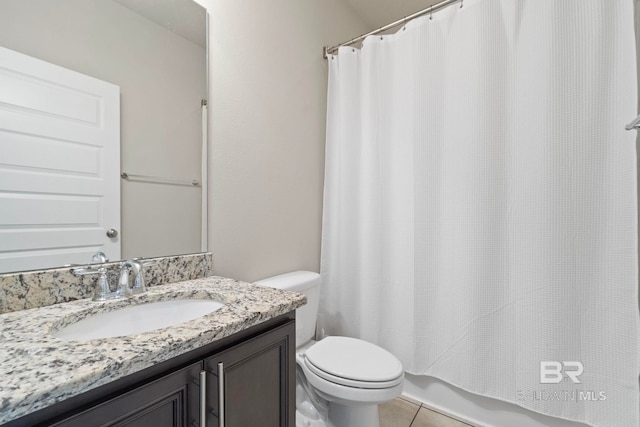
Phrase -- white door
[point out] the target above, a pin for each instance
(59, 164)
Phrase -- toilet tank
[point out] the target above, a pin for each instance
(308, 284)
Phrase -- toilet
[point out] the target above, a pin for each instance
(339, 380)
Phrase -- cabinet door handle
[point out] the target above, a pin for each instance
(221, 393)
(203, 398)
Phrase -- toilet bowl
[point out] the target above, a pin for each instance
(340, 380)
(353, 376)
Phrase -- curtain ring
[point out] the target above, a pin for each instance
(431, 13)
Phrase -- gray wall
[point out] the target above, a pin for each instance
(267, 112)
(161, 78)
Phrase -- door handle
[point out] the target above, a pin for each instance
(112, 232)
(203, 398)
(221, 394)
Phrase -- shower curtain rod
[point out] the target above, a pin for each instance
(433, 8)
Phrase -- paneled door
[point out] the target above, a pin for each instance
(253, 383)
(59, 164)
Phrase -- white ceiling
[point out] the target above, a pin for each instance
(187, 18)
(376, 13)
(183, 17)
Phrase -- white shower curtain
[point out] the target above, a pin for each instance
(480, 202)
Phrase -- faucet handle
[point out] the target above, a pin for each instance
(137, 266)
(124, 290)
(102, 291)
(139, 286)
(87, 271)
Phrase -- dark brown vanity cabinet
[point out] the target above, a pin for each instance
(248, 384)
(249, 380)
(171, 401)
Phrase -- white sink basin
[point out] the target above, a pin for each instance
(136, 319)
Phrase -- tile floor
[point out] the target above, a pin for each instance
(406, 412)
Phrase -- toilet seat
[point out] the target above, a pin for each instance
(348, 395)
(349, 382)
(353, 363)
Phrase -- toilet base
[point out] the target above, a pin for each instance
(353, 416)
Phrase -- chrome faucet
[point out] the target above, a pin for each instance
(128, 268)
(138, 286)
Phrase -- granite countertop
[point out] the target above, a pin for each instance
(38, 370)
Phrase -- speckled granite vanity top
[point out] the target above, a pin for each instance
(38, 370)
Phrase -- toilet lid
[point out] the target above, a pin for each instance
(354, 359)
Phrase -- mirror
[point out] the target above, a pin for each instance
(156, 52)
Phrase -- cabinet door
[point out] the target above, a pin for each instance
(171, 401)
(258, 382)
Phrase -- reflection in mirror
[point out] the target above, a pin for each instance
(52, 136)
